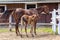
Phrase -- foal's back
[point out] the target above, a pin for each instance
(29, 19)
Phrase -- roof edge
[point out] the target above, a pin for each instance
(31, 2)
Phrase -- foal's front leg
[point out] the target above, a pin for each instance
(35, 28)
(31, 31)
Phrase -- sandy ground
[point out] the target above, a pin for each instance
(39, 36)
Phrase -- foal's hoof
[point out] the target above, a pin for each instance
(27, 35)
(32, 35)
(21, 36)
(35, 33)
(10, 30)
(17, 35)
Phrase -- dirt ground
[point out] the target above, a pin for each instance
(39, 36)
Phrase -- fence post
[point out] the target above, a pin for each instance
(59, 21)
(10, 21)
(54, 20)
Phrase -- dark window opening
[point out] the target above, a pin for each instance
(31, 6)
(2, 8)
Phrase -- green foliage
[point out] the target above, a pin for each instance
(4, 30)
(44, 29)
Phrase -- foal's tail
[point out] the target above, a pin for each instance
(22, 22)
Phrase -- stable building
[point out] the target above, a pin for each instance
(26, 4)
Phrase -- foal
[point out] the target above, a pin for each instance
(29, 20)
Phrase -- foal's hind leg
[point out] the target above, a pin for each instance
(21, 30)
(26, 29)
(16, 28)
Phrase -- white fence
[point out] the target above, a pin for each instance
(54, 17)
